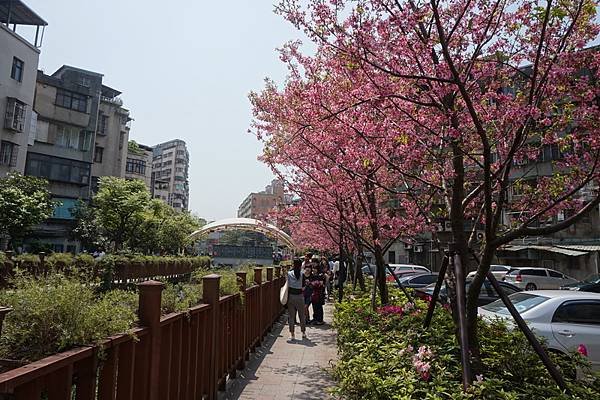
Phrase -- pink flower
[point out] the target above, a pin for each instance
(581, 349)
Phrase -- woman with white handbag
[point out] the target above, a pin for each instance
(295, 299)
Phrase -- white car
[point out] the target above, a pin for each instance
(533, 278)
(566, 319)
(499, 271)
(409, 267)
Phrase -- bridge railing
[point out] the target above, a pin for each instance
(186, 355)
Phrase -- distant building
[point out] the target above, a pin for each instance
(112, 137)
(258, 205)
(81, 134)
(18, 71)
(170, 169)
(139, 163)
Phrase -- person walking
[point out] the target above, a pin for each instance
(307, 292)
(296, 299)
(317, 283)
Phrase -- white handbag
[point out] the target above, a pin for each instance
(283, 294)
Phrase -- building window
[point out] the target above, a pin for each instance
(95, 184)
(180, 161)
(73, 138)
(57, 169)
(74, 101)
(85, 81)
(17, 69)
(392, 257)
(102, 123)
(98, 153)
(14, 118)
(181, 152)
(65, 208)
(134, 166)
(8, 154)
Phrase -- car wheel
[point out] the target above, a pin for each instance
(530, 286)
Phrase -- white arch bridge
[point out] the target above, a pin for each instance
(245, 224)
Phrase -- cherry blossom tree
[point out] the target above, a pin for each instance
(476, 111)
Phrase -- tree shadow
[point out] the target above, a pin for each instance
(311, 380)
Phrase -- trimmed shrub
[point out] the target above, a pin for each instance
(388, 355)
(55, 313)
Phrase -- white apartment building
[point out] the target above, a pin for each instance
(18, 72)
(170, 169)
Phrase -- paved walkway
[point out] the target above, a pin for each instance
(282, 369)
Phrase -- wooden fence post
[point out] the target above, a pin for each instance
(260, 309)
(211, 296)
(241, 278)
(149, 314)
(270, 299)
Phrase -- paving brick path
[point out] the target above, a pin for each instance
(282, 369)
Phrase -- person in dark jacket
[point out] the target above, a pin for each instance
(317, 283)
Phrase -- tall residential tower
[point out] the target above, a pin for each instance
(170, 168)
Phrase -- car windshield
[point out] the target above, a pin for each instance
(592, 279)
(522, 302)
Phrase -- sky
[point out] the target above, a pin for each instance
(185, 69)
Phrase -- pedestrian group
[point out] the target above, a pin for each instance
(310, 284)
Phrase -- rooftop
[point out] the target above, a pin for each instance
(17, 12)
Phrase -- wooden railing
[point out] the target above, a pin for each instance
(188, 355)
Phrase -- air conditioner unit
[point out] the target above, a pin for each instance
(14, 119)
(418, 249)
(407, 246)
(448, 226)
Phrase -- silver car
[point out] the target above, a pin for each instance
(418, 269)
(568, 320)
(532, 278)
(499, 271)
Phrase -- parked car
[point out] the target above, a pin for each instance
(499, 271)
(566, 319)
(533, 278)
(487, 294)
(589, 284)
(418, 280)
(408, 267)
(368, 269)
(402, 270)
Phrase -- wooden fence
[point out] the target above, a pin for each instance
(187, 355)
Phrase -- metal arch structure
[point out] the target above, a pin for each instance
(245, 224)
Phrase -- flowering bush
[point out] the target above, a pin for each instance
(386, 354)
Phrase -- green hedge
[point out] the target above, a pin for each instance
(388, 355)
(57, 312)
(109, 267)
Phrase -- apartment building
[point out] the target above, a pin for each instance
(170, 174)
(139, 163)
(18, 72)
(112, 137)
(81, 134)
(258, 205)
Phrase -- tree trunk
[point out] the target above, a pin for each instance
(472, 305)
(460, 241)
(380, 262)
